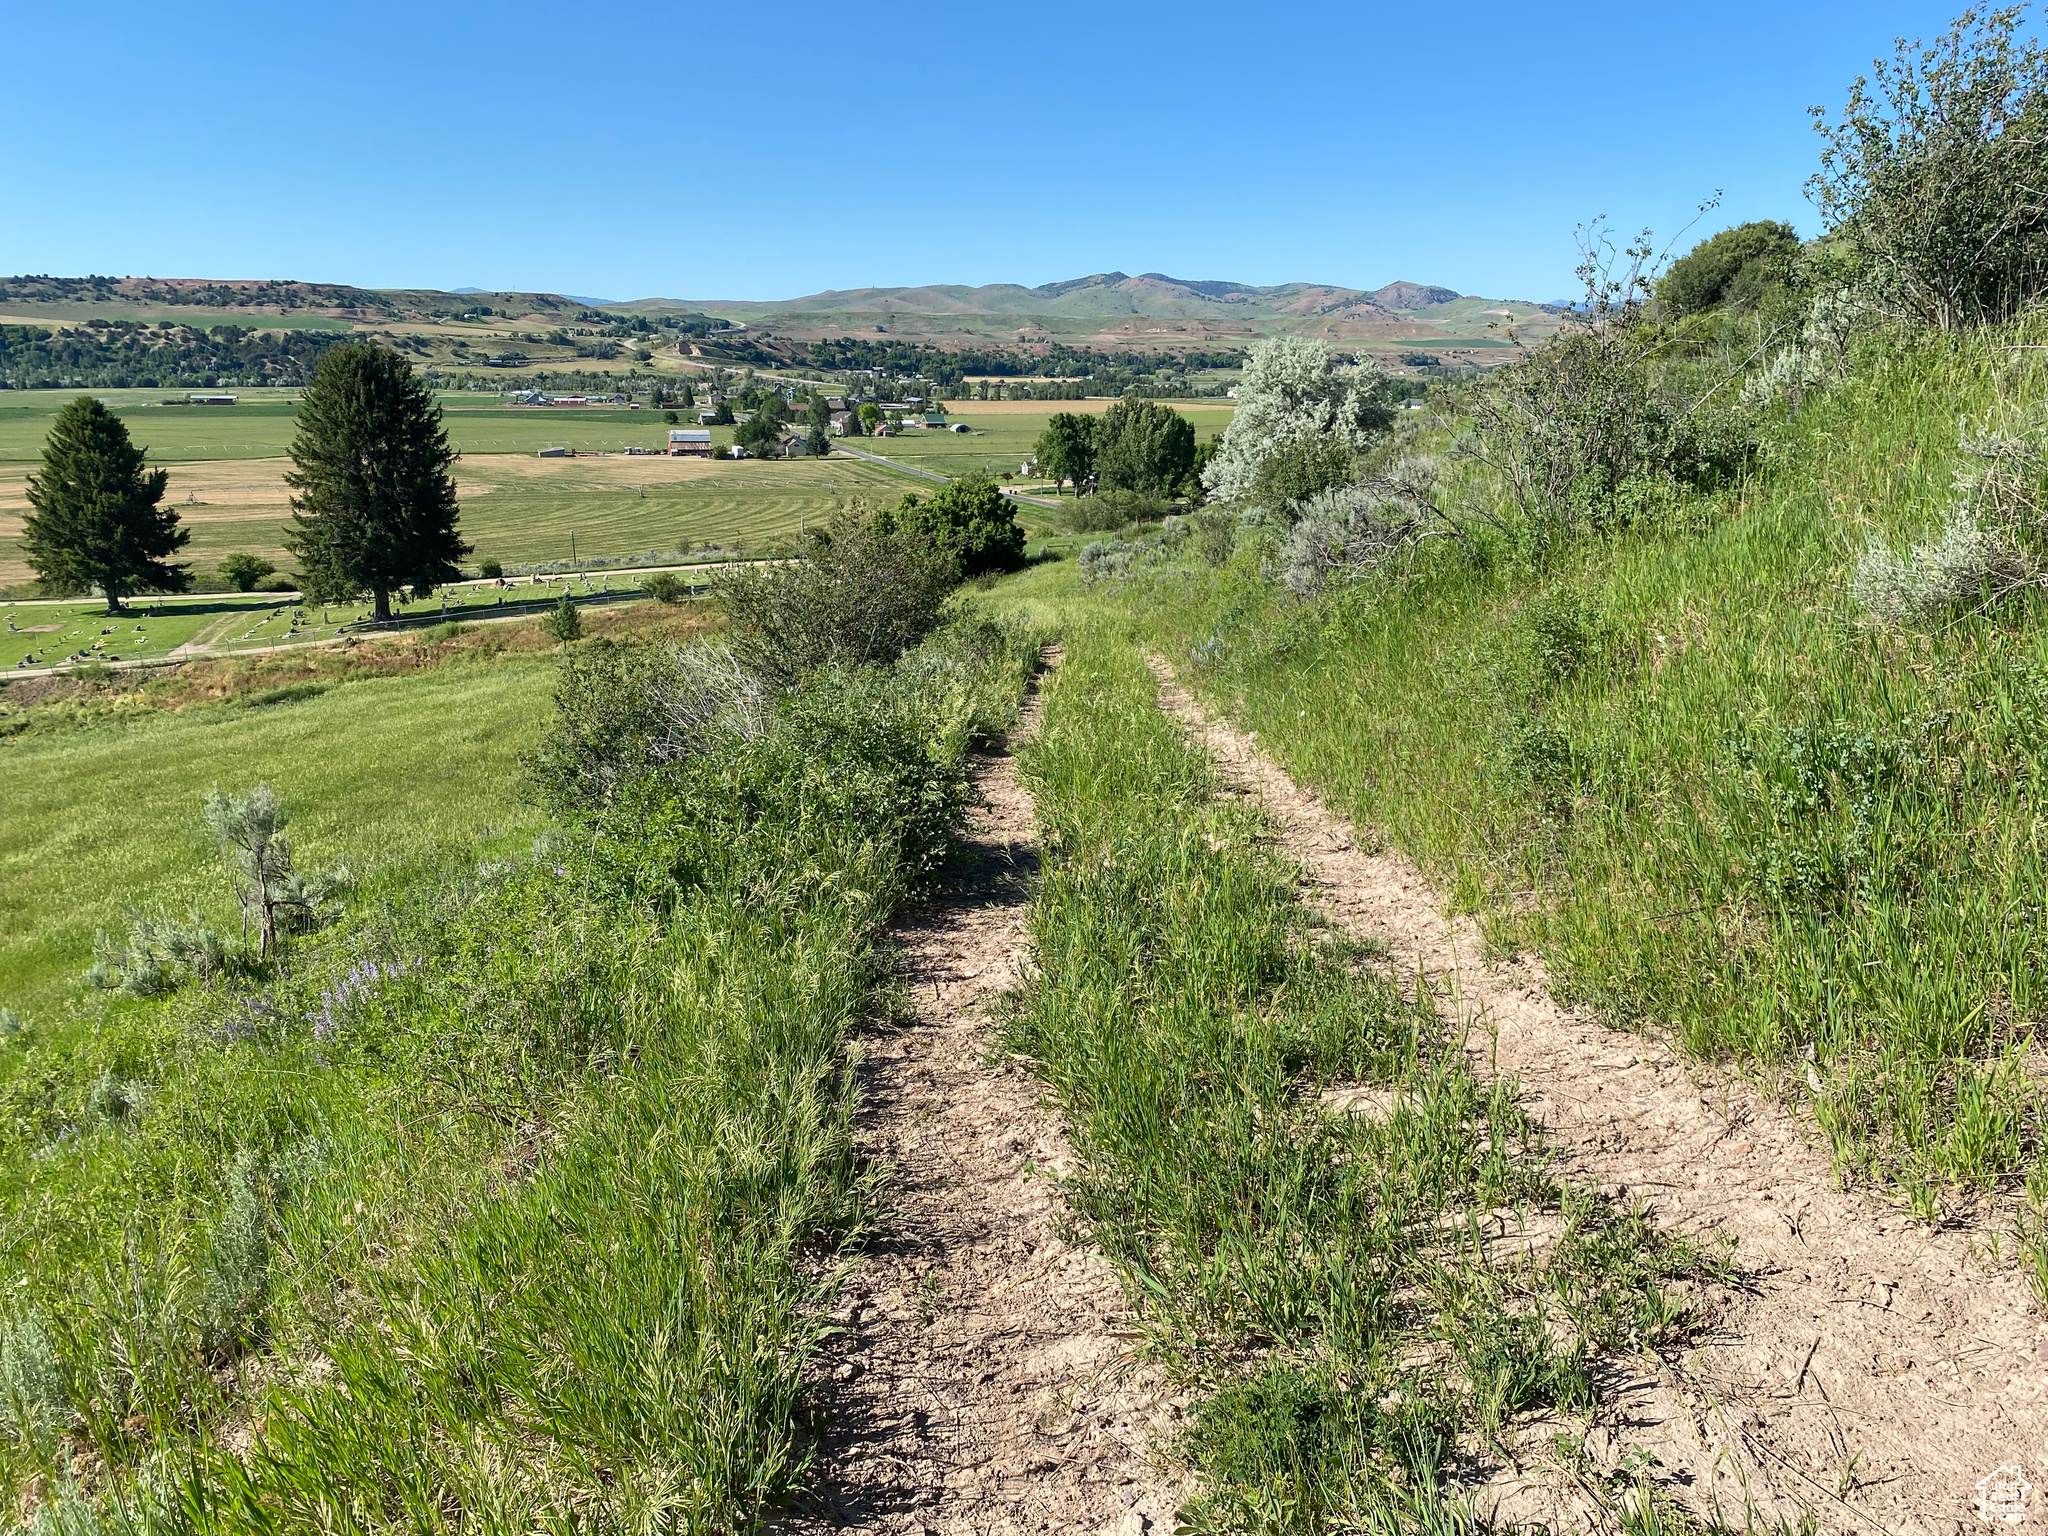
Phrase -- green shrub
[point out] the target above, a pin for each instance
(490, 570)
(565, 622)
(858, 594)
(243, 572)
(970, 517)
(1737, 266)
(625, 712)
(665, 587)
(1107, 511)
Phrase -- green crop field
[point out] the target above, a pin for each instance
(260, 425)
(227, 469)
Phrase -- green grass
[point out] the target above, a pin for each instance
(1678, 764)
(50, 632)
(744, 505)
(104, 821)
(260, 426)
(1334, 1289)
(512, 1199)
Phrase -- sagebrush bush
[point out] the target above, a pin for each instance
(34, 1405)
(1350, 531)
(236, 1276)
(860, 593)
(1992, 544)
(623, 711)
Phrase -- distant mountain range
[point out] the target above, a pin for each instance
(1111, 308)
(1153, 295)
(1104, 309)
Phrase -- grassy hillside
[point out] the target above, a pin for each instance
(104, 820)
(1677, 762)
(594, 1081)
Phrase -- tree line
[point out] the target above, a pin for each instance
(130, 354)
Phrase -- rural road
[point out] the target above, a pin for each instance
(929, 474)
(190, 650)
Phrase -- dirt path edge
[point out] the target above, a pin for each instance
(1871, 1374)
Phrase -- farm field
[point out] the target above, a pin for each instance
(518, 508)
(227, 469)
(261, 425)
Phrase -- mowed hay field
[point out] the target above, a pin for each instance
(227, 466)
(521, 509)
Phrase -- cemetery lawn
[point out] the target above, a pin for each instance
(385, 775)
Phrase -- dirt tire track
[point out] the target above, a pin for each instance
(1870, 1371)
(984, 1383)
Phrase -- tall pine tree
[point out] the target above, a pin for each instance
(94, 519)
(374, 504)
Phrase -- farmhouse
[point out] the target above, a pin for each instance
(842, 423)
(691, 442)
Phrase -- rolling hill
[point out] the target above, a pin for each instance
(1114, 306)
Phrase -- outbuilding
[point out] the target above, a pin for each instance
(690, 442)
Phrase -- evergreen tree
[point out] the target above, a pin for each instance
(374, 509)
(818, 436)
(94, 519)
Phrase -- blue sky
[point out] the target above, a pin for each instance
(771, 151)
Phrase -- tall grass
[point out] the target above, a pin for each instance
(1348, 1294)
(1681, 763)
(508, 1204)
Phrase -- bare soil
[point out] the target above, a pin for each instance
(1868, 1371)
(984, 1381)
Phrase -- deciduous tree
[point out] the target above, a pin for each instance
(970, 517)
(1066, 448)
(1141, 445)
(1937, 171)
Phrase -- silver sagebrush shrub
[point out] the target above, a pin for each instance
(34, 1406)
(237, 1257)
(1992, 544)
